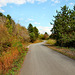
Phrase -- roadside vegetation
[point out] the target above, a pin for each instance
(62, 38)
(44, 36)
(33, 33)
(64, 27)
(35, 36)
(51, 42)
(14, 40)
(12, 48)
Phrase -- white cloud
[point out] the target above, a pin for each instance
(41, 0)
(1, 10)
(5, 2)
(29, 19)
(71, 3)
(30, 1)
(19, 2)
(42, 29)
(36, 23)
(56, 1)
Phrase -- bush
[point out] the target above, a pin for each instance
(7, 59)
(41, 36)
(4, 38)
(51, 42)
(11, 38)
(21, 33)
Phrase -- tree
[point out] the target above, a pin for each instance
(46, 36)
(1, 14)
(21, 33)
(4, 38)
(36, 32)
(64, 27)
(41, 36)
(33, 31)
(9, 26)
(30, 28)
(32, 36)
(9, 17)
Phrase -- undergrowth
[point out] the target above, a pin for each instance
(17, 64)
(12, 59)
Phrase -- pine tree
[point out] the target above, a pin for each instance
(30, 28)
(64, 27)
(32, 36)
(36, 32)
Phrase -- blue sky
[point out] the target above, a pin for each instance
(38, 12)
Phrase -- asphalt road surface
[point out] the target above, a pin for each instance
(41, 60)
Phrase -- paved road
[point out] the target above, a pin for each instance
(41, 60)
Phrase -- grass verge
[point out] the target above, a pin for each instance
(70, 52)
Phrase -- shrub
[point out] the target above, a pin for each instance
(0, 66)
(11, 38)
(7, 59)
(21, 33)
(51, 42)
(41, 36)
(4, 38)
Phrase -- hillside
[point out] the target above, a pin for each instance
(13, 38)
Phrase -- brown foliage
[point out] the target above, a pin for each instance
(4, 38)
(0, 64)
(10, 34)
(3, 34)
(21, 33)
(7, 58)
(2, 20)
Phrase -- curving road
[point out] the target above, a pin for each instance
(41, 60)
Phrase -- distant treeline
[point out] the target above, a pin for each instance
(34, 34)
(64, 27)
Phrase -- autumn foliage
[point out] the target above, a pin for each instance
(12, 36)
